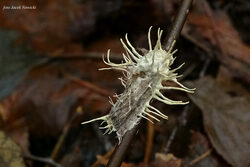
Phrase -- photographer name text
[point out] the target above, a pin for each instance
(19, 7)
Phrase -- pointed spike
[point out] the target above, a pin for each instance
(128, 50)
(111, 102)
(105, 127)
(125, 58)
(114, 64)
(108, 68)
(149, 38)
(106, 131)
(157, 45)
(177, 88)
(161, 31)
(128, 58)
(125, 74)
(165, 98)
(115, 68)
(179, 76)
(151, 116)
(168, 77)
(160, 115)
(153, 108)
(131, 46)
(177, 67)
(108, 62)
(172, 61)
(122, 69)
(103, 59)
(96, 119)
(174, 51)
(158, 32)
(122, 82)
(157, 111)
(160, 99)
(146, 118)
(108, 54)
(169, 102)
(172, 46)
(178, 83)
(165, 76)
(102, 123)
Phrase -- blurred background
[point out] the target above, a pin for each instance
(50, 53)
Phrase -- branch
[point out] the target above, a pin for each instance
(178, 23)
(120, 149)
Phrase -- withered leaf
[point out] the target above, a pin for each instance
(226, 120)
(213, 31)
(16, 60)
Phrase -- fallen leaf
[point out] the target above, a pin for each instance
(226, 120)
(214, 32)
(16, 60)
(46, 98)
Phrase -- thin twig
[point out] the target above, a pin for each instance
(64, 134)
(42, 159)
(120, 149)
(149, 143)
(89, 85)
(178, 23)
(83, 55)
(196, 160)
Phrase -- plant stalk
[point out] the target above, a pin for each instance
(120, 149)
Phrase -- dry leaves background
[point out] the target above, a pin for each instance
(49, 83)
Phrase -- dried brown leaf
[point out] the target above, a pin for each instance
(213, 31)
(46, 99)
(226, 120)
